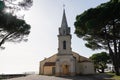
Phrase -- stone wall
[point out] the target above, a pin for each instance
(50, 59)
(86, 68)
(48, 70)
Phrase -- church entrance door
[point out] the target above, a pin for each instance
(65, 69)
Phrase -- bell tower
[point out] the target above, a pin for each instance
(64, 37)
(65, 62)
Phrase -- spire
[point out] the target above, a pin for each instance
(64, 29)
(64, 20)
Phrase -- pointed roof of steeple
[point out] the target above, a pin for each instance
(64, 20)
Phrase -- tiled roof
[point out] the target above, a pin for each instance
(85, 61)
(49, 64)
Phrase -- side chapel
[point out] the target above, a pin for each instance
(66, 62)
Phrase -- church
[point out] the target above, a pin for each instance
(66, 62)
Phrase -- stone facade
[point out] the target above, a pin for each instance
(66, 62)
(82, 65)
(65, 65)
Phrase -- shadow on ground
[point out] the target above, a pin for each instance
(101, 76)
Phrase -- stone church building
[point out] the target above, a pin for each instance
(65, 62)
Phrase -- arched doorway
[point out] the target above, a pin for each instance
(65, 69)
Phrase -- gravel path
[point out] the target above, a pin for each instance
(42, 77)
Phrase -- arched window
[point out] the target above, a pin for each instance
(64, 44)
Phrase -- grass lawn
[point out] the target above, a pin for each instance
(114, 76)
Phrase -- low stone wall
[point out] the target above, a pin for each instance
(8, 76)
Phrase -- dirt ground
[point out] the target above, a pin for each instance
(42, 77)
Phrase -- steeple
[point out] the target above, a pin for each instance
(64, 37)
(64, 20)
(64, 29)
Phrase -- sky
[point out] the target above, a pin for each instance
(45, 18)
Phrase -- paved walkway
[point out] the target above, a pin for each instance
(42, 77)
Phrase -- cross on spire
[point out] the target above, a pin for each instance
(63, 6)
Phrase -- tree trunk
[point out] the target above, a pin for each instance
(3, 40)
(117, 70)
(103, 70)
(99, 71)
(116, 54)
